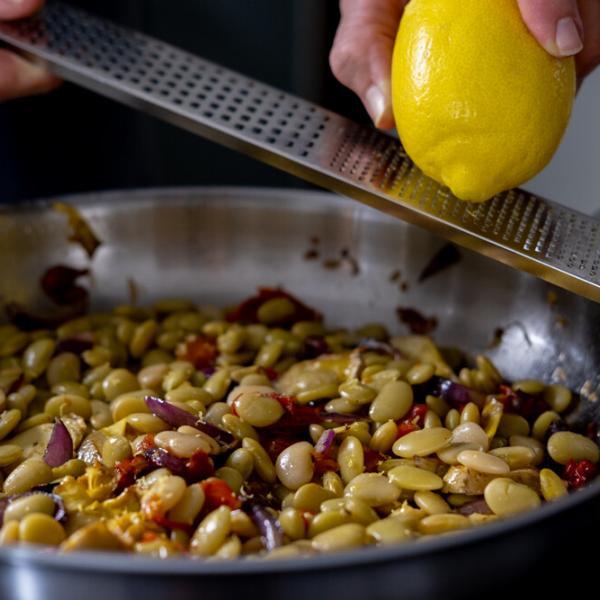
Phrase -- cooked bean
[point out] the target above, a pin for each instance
(531, 443)
(241, 460)
(470, 413)
(358, 429)
(529, 386)
(256, 407)
(63, 367)
(506, 497)
(443, 523)
(310, 497)
(542, 423)
(552, 485)
(39, 528)
(566, 445)
(189, 505)
(22, 398)
(144, 423)
(118, 382)
(142, 338)
(558, 397)
(275, 311)
(163, 495)
(218, 383)
(470, 433)
(388, 531)
(422, 443)
(231, 477)
(432, 504)
(413, 478)
(30, 473)
(351, 459)
(483, 462)
(325, 521)
(374, 489)
(115, 449)
(438, 405)
(333, 482)
(269, 353)
(292, 523)
(342, 406)
(129, 403)
(452, 419)
(238, 428)
(450, 454)
(392, 403)
(384, 437)
(37, 356)
(179, 444)
(9, 534)
(294, 465)
(513, 425)
(9, 453)
(35, 503)
(420, 373)
(262, 463)
(356, 392)
(344, 537)
(359, 510)
(9, 419)
(151, 377)
(215, 413)
(74, 467)
(70, 387)
(517, 457)
(64, 404)
(188, 393)
(212, 532)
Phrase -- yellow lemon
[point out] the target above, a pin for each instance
(479, 105)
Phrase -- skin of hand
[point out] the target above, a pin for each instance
(19, 77)
(362, 50)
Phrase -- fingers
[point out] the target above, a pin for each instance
(361, 56)
(19, 77)
(18, 9)
(589, 58)
(556, 24)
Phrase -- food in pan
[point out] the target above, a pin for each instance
(178, 430)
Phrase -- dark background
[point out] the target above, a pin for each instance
(73, 140)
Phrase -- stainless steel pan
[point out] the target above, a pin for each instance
(216, 245)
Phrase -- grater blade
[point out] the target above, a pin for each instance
(529, 233)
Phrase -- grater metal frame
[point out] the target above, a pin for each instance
(519, 229)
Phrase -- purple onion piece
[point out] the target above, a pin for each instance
(324, 442)
(60, 446)
(160, 458)
(171, 414)
(269, 527)
(371, 345)
(176, 417)
(477, 506)
(458, 395)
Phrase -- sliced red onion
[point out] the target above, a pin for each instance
(324, 442)
(458, 395)
(60, 446)
(269, 527)
(477, 506)
(176, 417)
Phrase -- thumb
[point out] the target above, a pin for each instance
(556, 24)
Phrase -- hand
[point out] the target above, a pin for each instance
(362, 51)
(19, 77)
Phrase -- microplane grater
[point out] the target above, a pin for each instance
(541, 237)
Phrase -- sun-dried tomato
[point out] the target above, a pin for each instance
(520, 403)
(276, 446)
(247, 311)
(218, 493)
(372, 459)
(129, 469)
(199, 350)
(169, 524)
(416, 415)
(315, 346)
(405, 429)
(578, 473)
(199, 466)
(271, 373)
(324, 463)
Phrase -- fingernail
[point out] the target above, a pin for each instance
(377, 104)
(568, 40)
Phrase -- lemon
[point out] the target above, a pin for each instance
(479, 105)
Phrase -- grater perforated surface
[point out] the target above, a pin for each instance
(517, 228)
